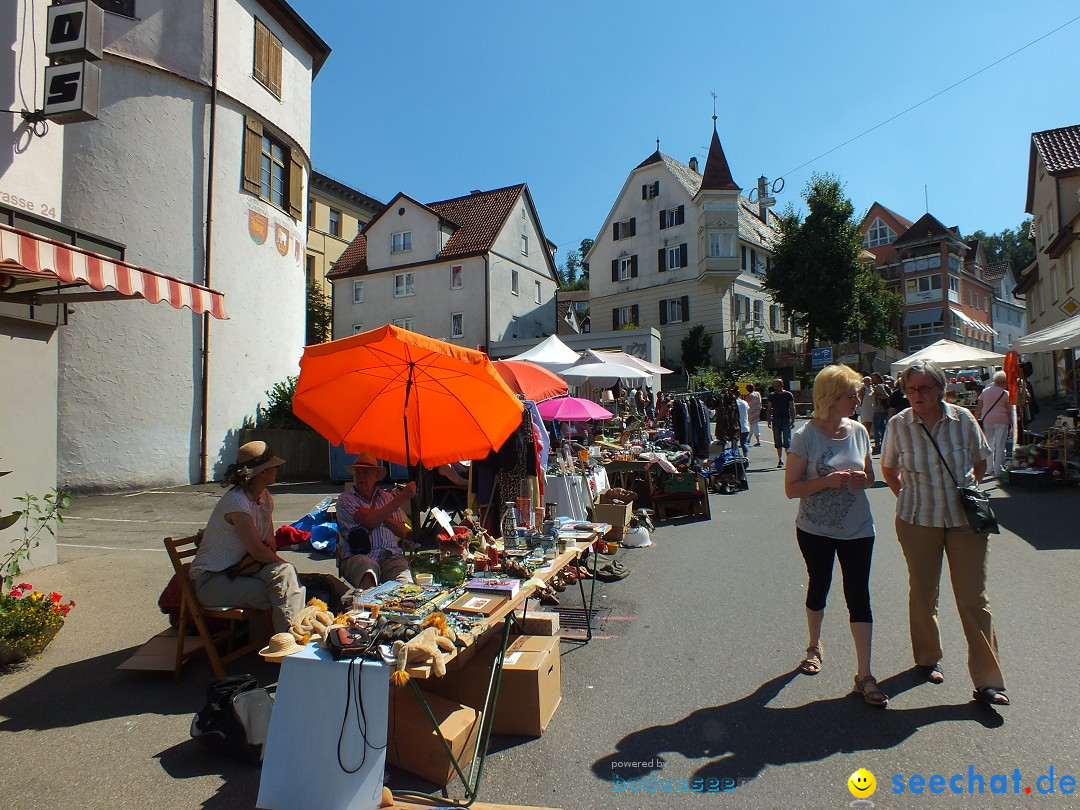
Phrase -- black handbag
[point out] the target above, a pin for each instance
(976, 504)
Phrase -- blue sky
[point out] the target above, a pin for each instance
(438, 98)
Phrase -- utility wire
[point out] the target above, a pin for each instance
(931, 98)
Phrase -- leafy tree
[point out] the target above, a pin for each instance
(696, 349)
(574, 273)
(1009, 245)
(319, 315)
(569, 270)
(278, 412)
(873, 310)
(816, 261)
(750, 351)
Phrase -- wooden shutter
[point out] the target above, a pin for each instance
(663, 220)
(663, 312)
(683, 260)
(614, 269)
(274, 72)
(661, 259)
(680, 215)
(645, 191)
(633, 266)
(253, 135)
(296, 184)
(633, 226)
(261, 67)
(615, 318)
(686, 308)
(634, 315)
(615, 231)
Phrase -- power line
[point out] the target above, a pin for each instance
(935, 95)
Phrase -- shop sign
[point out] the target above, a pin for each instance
(73, 41)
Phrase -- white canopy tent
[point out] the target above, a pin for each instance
(625, 359)
(950, 354)
(552, 354)
(1062, 335)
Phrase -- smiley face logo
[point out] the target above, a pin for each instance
(862, 784)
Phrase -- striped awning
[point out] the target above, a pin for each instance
(971, 322)
(27, 255)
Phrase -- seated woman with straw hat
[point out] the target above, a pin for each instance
(237, 564)
(370, 524)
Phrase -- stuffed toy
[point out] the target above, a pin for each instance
(439, 621)
(313, 620)
(424, 648)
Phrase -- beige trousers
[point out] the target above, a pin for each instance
(274, 588)
(968, 554)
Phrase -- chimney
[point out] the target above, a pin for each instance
(693, 165)
(475, 191)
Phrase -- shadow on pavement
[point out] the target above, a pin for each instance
(733, 735)
(189, 760)
(1045, 519)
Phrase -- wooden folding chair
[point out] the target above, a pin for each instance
(180, 553)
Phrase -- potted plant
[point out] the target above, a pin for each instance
(30, 619)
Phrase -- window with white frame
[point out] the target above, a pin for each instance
(357, 328)
(1053, 284)
(879, 234)
(626, 265)
(674, 257)
(774, 317)
(514, 281)
(358, 292)
(672, 310)
(759, 313)
(536, 292)
(456, 280)
(1070, 280)
(650, 190)
(626, 317)
(721, 244)
(671, 217)
(403, 285)
(334, 226)
(1039, 297)
(401, 242)
(524, 245)
(623, 229)
(457, 325)
(404, 323)
(954, 289)
(954, 263)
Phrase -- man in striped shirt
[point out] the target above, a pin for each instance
(930, 523)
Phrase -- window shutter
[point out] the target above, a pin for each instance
(261, 65)
(633, 226)
(645, 191)
(633, 266)
(680, 215)
(683, 261)
(661, 255)
(275, 66)
(634, 315)
(253, 134)
(663, 220)
(615, 231)
(615, 318)
(663, 312)
(614, 269)
(686, 307)
(296, 184)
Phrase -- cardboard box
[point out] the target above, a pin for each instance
(540, 623)
(618, 515)
(412, 744)
(531, 687)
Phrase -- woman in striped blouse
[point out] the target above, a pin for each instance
(930, 522)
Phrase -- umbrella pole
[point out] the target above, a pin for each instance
(414, 509)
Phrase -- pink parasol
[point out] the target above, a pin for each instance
(572, 409)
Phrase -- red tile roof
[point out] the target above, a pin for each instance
(478, 218)
(1059, 148)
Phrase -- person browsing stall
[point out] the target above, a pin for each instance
(237, 564)
(781, 418)
(931, 523)
(994, 414)
(370, 525)
(829, 470)
(753, 402)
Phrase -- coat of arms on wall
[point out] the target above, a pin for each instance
(257, 227)
(281, 239)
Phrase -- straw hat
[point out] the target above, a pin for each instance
(281, 644)
(368, 461)
(256, 457)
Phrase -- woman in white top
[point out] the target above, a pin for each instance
(829, 469)
(753, 403)
(866, 404)
(237, 564)
(994, 414)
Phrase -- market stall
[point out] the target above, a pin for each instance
(950, 354)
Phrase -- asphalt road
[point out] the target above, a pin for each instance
(690, 675)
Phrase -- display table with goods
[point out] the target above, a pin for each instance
(1047, 459)
(341, 696)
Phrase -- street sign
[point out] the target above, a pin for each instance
(819, 358)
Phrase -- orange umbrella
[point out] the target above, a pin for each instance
(405, 397)
(530, 380)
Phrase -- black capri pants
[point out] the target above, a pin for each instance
(854, 556)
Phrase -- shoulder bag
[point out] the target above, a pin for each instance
(975, 502)
(996, 401)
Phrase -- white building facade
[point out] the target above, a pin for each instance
(680, 248)
(470, 270)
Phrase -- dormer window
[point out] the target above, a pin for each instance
(879, 234)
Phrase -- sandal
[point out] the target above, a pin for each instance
(932, 673)
(867, 688)
(811, 665)
(989, 695)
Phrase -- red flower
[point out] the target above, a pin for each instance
(55, 597)
(24, 587)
